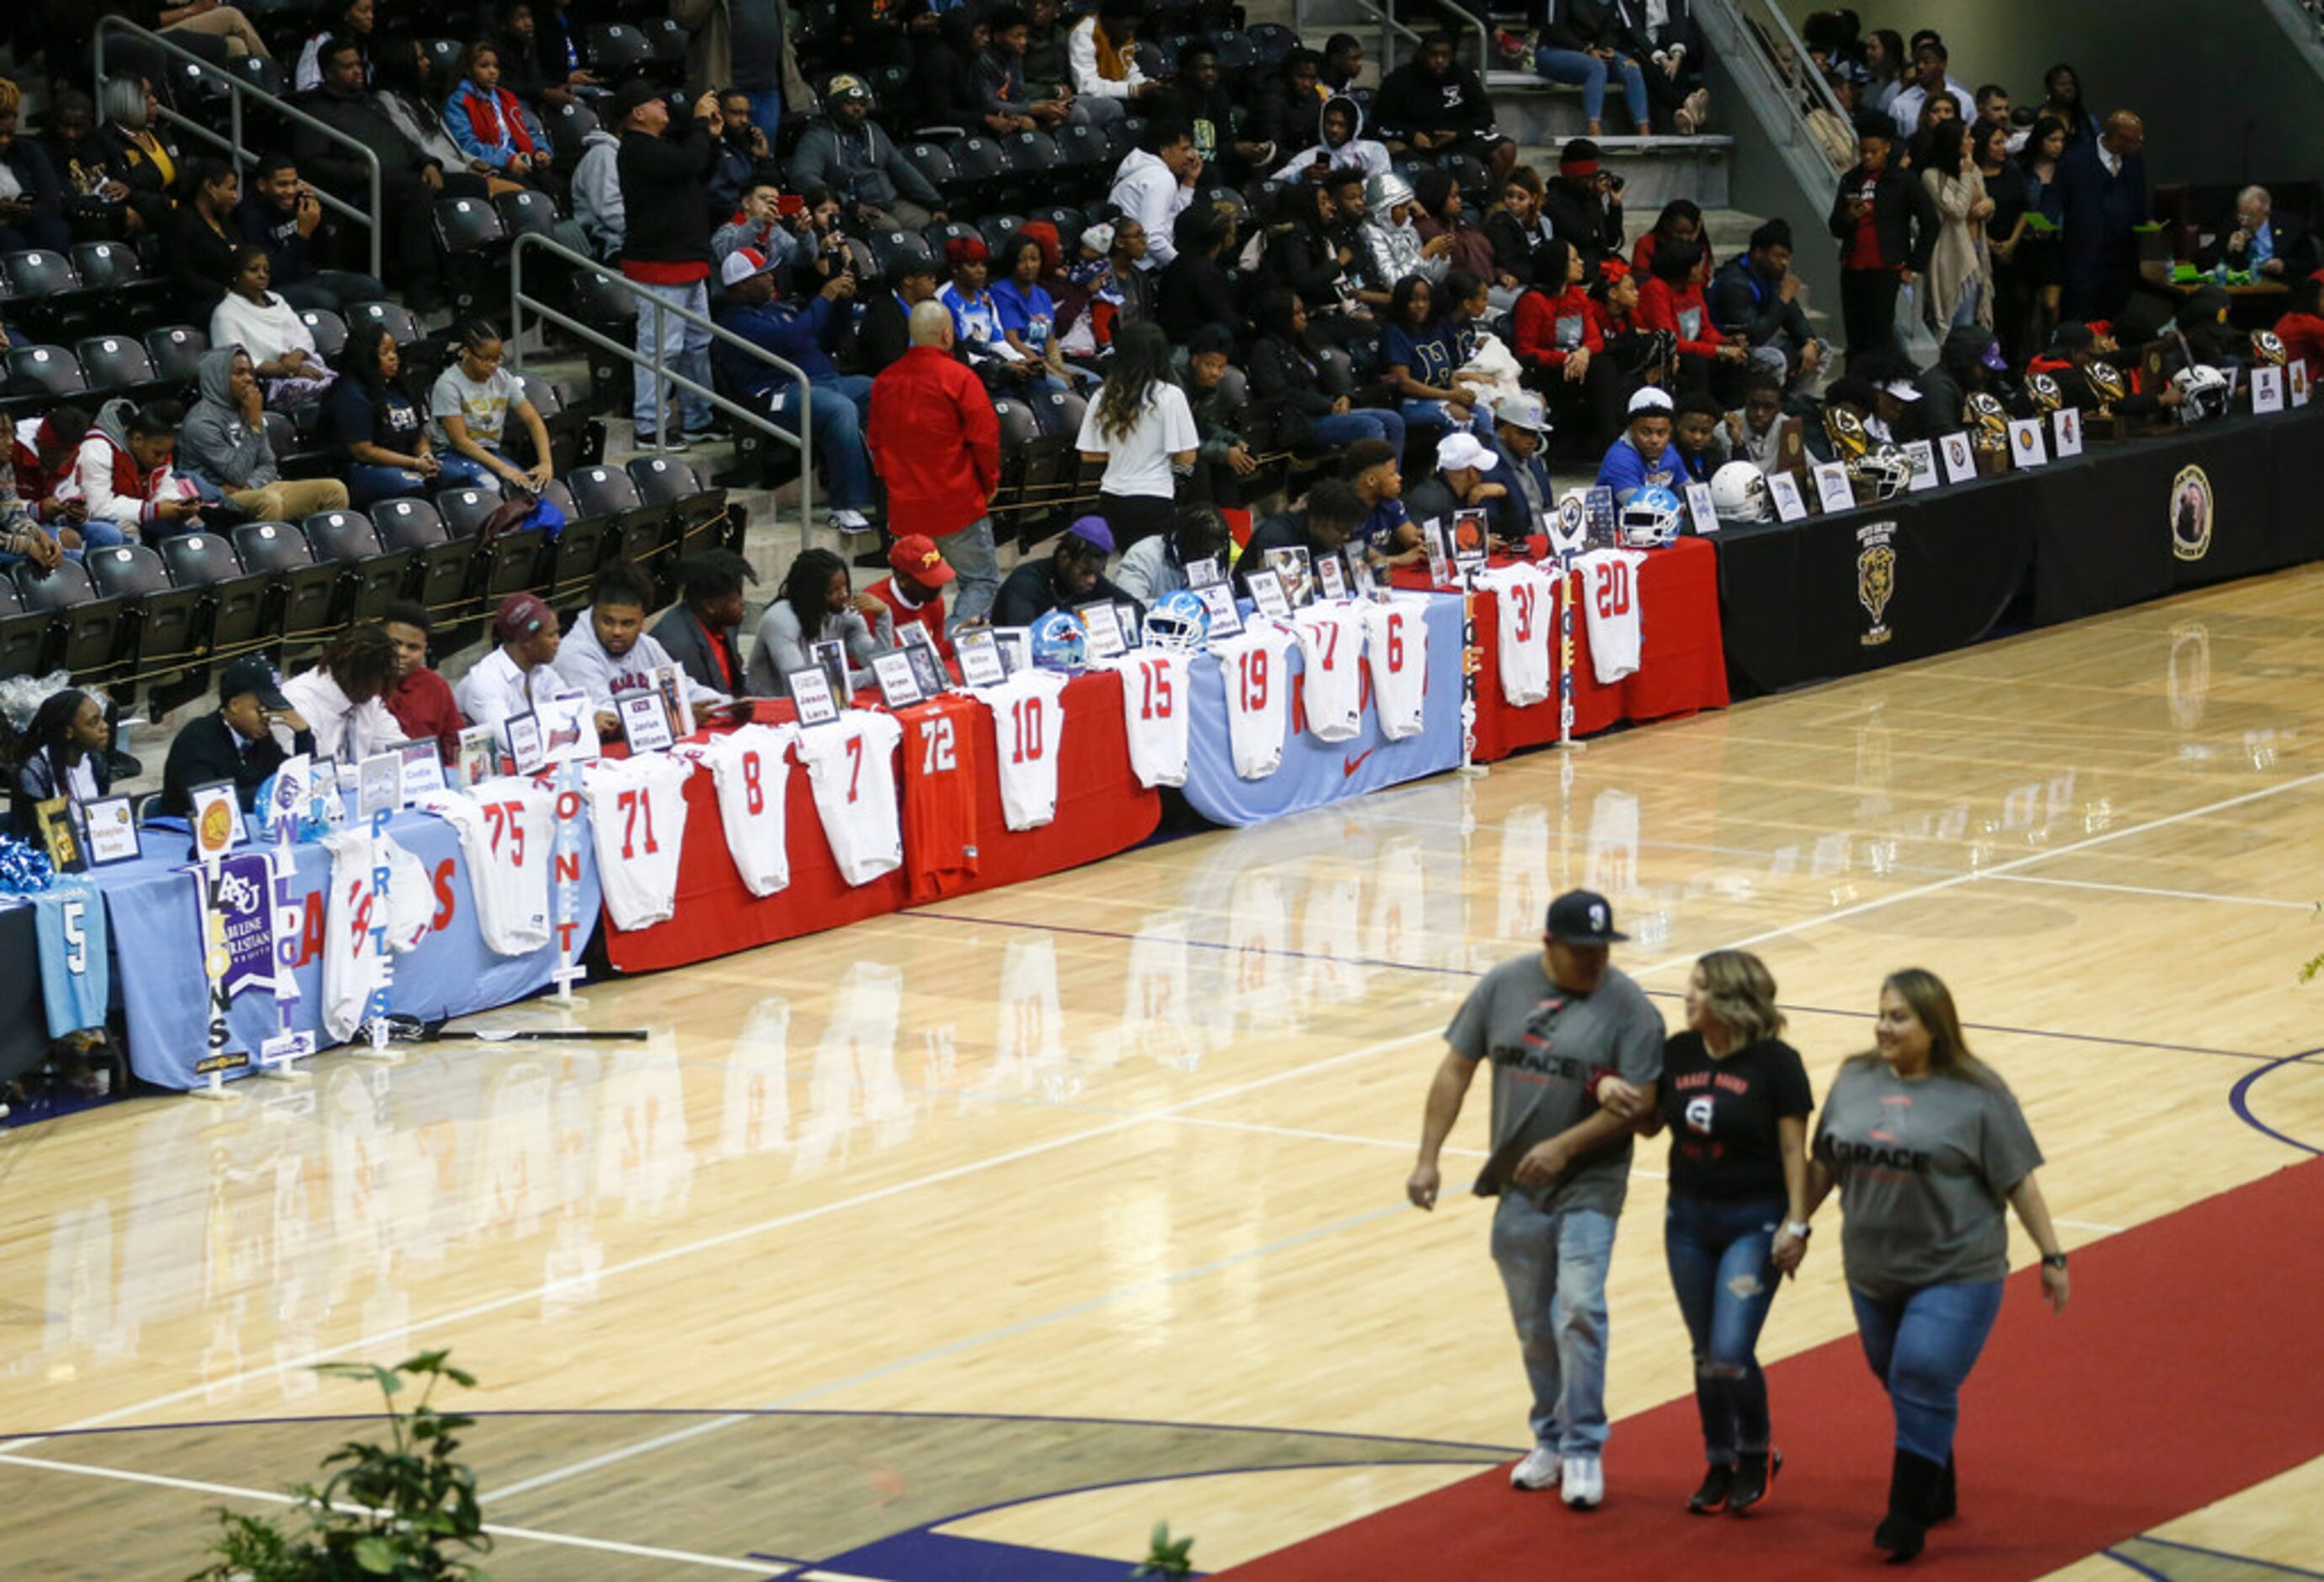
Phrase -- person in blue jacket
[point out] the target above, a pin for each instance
(1641, 458)
(801, 333)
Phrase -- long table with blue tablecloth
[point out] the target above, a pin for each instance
(153, 912)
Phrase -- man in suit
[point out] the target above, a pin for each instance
(2253, 241)
(2102, 191)
(238, 743)
(703, 632)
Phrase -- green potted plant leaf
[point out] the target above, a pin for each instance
(1165, 1556)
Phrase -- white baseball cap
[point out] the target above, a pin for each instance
(743, 264)
(1903, 390)
(1650, 398)
(1460, 449)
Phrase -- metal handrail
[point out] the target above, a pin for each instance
(231, 142)
(519, 301)
(1741, 42)
(1391, 29)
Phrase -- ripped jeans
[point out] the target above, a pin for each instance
(1718, 1256)
(1552, 1264)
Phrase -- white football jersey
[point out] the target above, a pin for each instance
(1609, 603)
(508, 835)
(1332, 677)
(637, 814)
(752, 769)
(1528, 604)
(851, 766)
(1153, 713)
(1028, 722)
(352, 967)
(1252, 669)
(1396, 646)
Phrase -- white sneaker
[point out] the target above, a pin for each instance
(1584, 1483)
(850, 522)
(1538, 1470)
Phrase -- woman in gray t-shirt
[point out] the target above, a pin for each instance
(1926, 1146)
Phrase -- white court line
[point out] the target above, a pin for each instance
(2162, 894)
(1035, 1150)
(743, 1232)
(534, 1535)
(1998, 870)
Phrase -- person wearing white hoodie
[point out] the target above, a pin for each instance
(1155, 180)
(1340, 127)
(1393, 246)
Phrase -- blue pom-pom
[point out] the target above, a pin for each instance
(24, 868)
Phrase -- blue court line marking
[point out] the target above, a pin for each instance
(2239, 1101)
(1133, 1422)
(2119, 1559)
(2134, 1044)
(2222, 1554)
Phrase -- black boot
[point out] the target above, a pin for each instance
(1946, 1504)
(1755, 1472)
(1912, 1483)
(1712, 1496)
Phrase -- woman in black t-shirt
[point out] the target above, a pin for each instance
(1735, 1099)
(376, 424)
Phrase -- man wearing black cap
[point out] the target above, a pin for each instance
(2073, 350)
(1554, 1025)
(237, 742)
(663, 162)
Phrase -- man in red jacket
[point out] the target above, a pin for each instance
(913, 591)
(934, 439)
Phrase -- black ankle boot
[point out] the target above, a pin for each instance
(1712, 1496)
(1912, 1482)
(1946, 1504)
(1755, 1471)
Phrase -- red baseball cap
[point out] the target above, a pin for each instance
(521, 614)
(917, 556)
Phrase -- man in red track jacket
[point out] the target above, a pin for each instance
(934, 440)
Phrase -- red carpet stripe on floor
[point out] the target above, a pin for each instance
(2184, 1370)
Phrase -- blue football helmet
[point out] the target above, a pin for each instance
(1060, 642)
(1650, 519)
(1179, 621)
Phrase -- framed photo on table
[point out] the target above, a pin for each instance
(1102, 621)
(979, 651)
(1332, 576)
(1784, 489)
(524, 742)
(110, 825)
(379, 785)
(645, 722)
(810, 690)
(1290, 567)
(1226, 615)
(1924, 466)
(1204, 572)
(927, 665)
(1267, 596)
(53, 820)
(830, 656)
(898, 686)
(1834, 493)
(423, 769)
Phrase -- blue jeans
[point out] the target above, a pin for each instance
(1430, 421)
(1363, 422)
(1921, 1347)
(684, 349)
(1572, 66)
(1718, 1268)
(836, 414)
(1554, 1268)
(976, 566)
(766, 110)
(368, 484)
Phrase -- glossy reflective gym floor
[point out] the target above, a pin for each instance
(1097, 1184)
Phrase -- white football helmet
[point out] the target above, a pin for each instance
(2207, 393)
(1649, 520)
(1180, 622)
(1738, 493)
(1885, 467)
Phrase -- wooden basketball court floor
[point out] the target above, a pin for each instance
(1028, 1219)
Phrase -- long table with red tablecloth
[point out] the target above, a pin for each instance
(1102, 810)
(1682, 659)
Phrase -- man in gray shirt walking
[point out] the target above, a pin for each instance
(1553, 1024)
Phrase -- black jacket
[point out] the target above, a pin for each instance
(1304, 257)
(1518, 250)
(688, 643)
(2292, 246)
(1290, 384)
(1195, 290)
(1903, 217)
(1284, 531)
(1030, 592)
(1410, 100)
(38, 780)
(1576, 215)
(1742, 300)
(661, 193)
(331, 167)
(1585, 24)
(207, 750)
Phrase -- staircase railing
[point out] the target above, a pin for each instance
(1757, 44)
(1392, 29)
(523, 302)
(238, 89)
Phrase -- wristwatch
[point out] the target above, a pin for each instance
(1799, 1229)
(2053, 1260)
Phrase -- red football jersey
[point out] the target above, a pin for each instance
(940, 789)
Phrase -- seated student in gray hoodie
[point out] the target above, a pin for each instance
(222, 443)
(846, 151)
